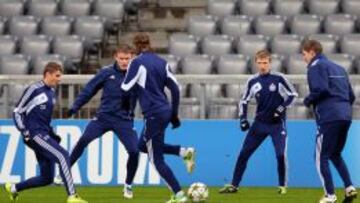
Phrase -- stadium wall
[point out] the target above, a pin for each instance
(217, 142)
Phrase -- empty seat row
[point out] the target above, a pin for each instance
(271, 25)
(223, 8)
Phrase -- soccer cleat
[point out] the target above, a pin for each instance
(282, 190)
(128, 192)
(58, 180)
(178, 198)
(328, 199)
(228, 189)
(75, 199)
(350, 194)
(189, 159)
(12, 195)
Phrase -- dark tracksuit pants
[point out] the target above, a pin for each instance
(256, 135)
(48, 152)
(330, 142)
(124, 131)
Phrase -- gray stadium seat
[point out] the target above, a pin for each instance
(70, 46)
(297, 112)
(112, 10)
(339, 24)
(221, 8)
(295, 64)
(40, 62)
(216, 45)
(328, 42)
(211, 90)
(234, 91)
(2, 25)
(323, 7)
(351, 7)
(8, 45)
(75, 8)
(305, 24)
(250, 44)
(254, 7)
(276, 64)
(302, 89)
(90, 27)
(189, 108)
(232, 64)
(41, 8)
(196, 64)
(23, 25)
(14, 65)
(350, 44)
(356, 112)
(56, 26)
(223, 108)
(288, 7)
(201, 26)
(236, 26)
(286, 44)
(344, 60)
(35, 45)
(182, 44)
(173, 61)
(357, 66)
(10, 8)
(270, 25)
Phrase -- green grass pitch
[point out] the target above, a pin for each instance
(95, 194)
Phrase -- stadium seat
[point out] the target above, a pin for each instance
(250, 44)
(350, 44)
(254, 7)
(236, 26)
(189, 108)
(90, 27)
(234, 91)
(2, 25)
(351, 7)
(323, 7)
(35, 45)
(56, 26)
(173, 61)
(221, 8)
(270, 25)
(356, 112)
(8, 45)
(357, 66)
(15, 92)
(112, 10)
(182, 44)
(40, 62)
(14, 65)
(344, 60)
(11, 8)
(297, 112)
(223, 108)
(196, 64)
(201, 26)
(295, 64)
(42, 8)
(286, 44)
(232, 64)
(328, 42)
(75, 8)
(288, 7)
(339, 24)
(211, 90)
(276, 64)
(216, 45)
(303, 90)
(69, 46)
(305, 24)
(23, 25)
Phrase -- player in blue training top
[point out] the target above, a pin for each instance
(115, 113)
(273, 94)
(32, 117)
(331, 97)
(148, 75)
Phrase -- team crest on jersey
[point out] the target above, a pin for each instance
(112, 77)
(272, 87)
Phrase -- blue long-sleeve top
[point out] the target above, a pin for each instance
(147, 76)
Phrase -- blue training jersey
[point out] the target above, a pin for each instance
(33, 111)
(272, 92)
(147, 76)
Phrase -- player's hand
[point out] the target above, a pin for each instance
(70, 113)
(279, 111)
(55, 136)
(307, 102)
(26, 135)
(175, 122)
(244, 125)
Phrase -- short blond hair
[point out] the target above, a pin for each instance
(263, 54)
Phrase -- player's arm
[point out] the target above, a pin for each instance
(243, 107)
(288, 92)
(136, 73)
(20, 108)
(172, 84)
(318, 83)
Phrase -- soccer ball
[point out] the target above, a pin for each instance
(198, 192)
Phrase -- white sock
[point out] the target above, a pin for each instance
(180, 194)
(182, 152)
(350, 188)
(13, 188)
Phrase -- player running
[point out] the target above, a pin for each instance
(274, 94)
(331, 96)
(148, 75)
(32, 117)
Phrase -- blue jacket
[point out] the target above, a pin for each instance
(331, 93)
(32, 114)
(273, 94)
(147, 76)
(108, 79)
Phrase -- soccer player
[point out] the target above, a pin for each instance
(331, 97)
(32, 117)
(273, 94)
(115, 113)
(148, 75)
